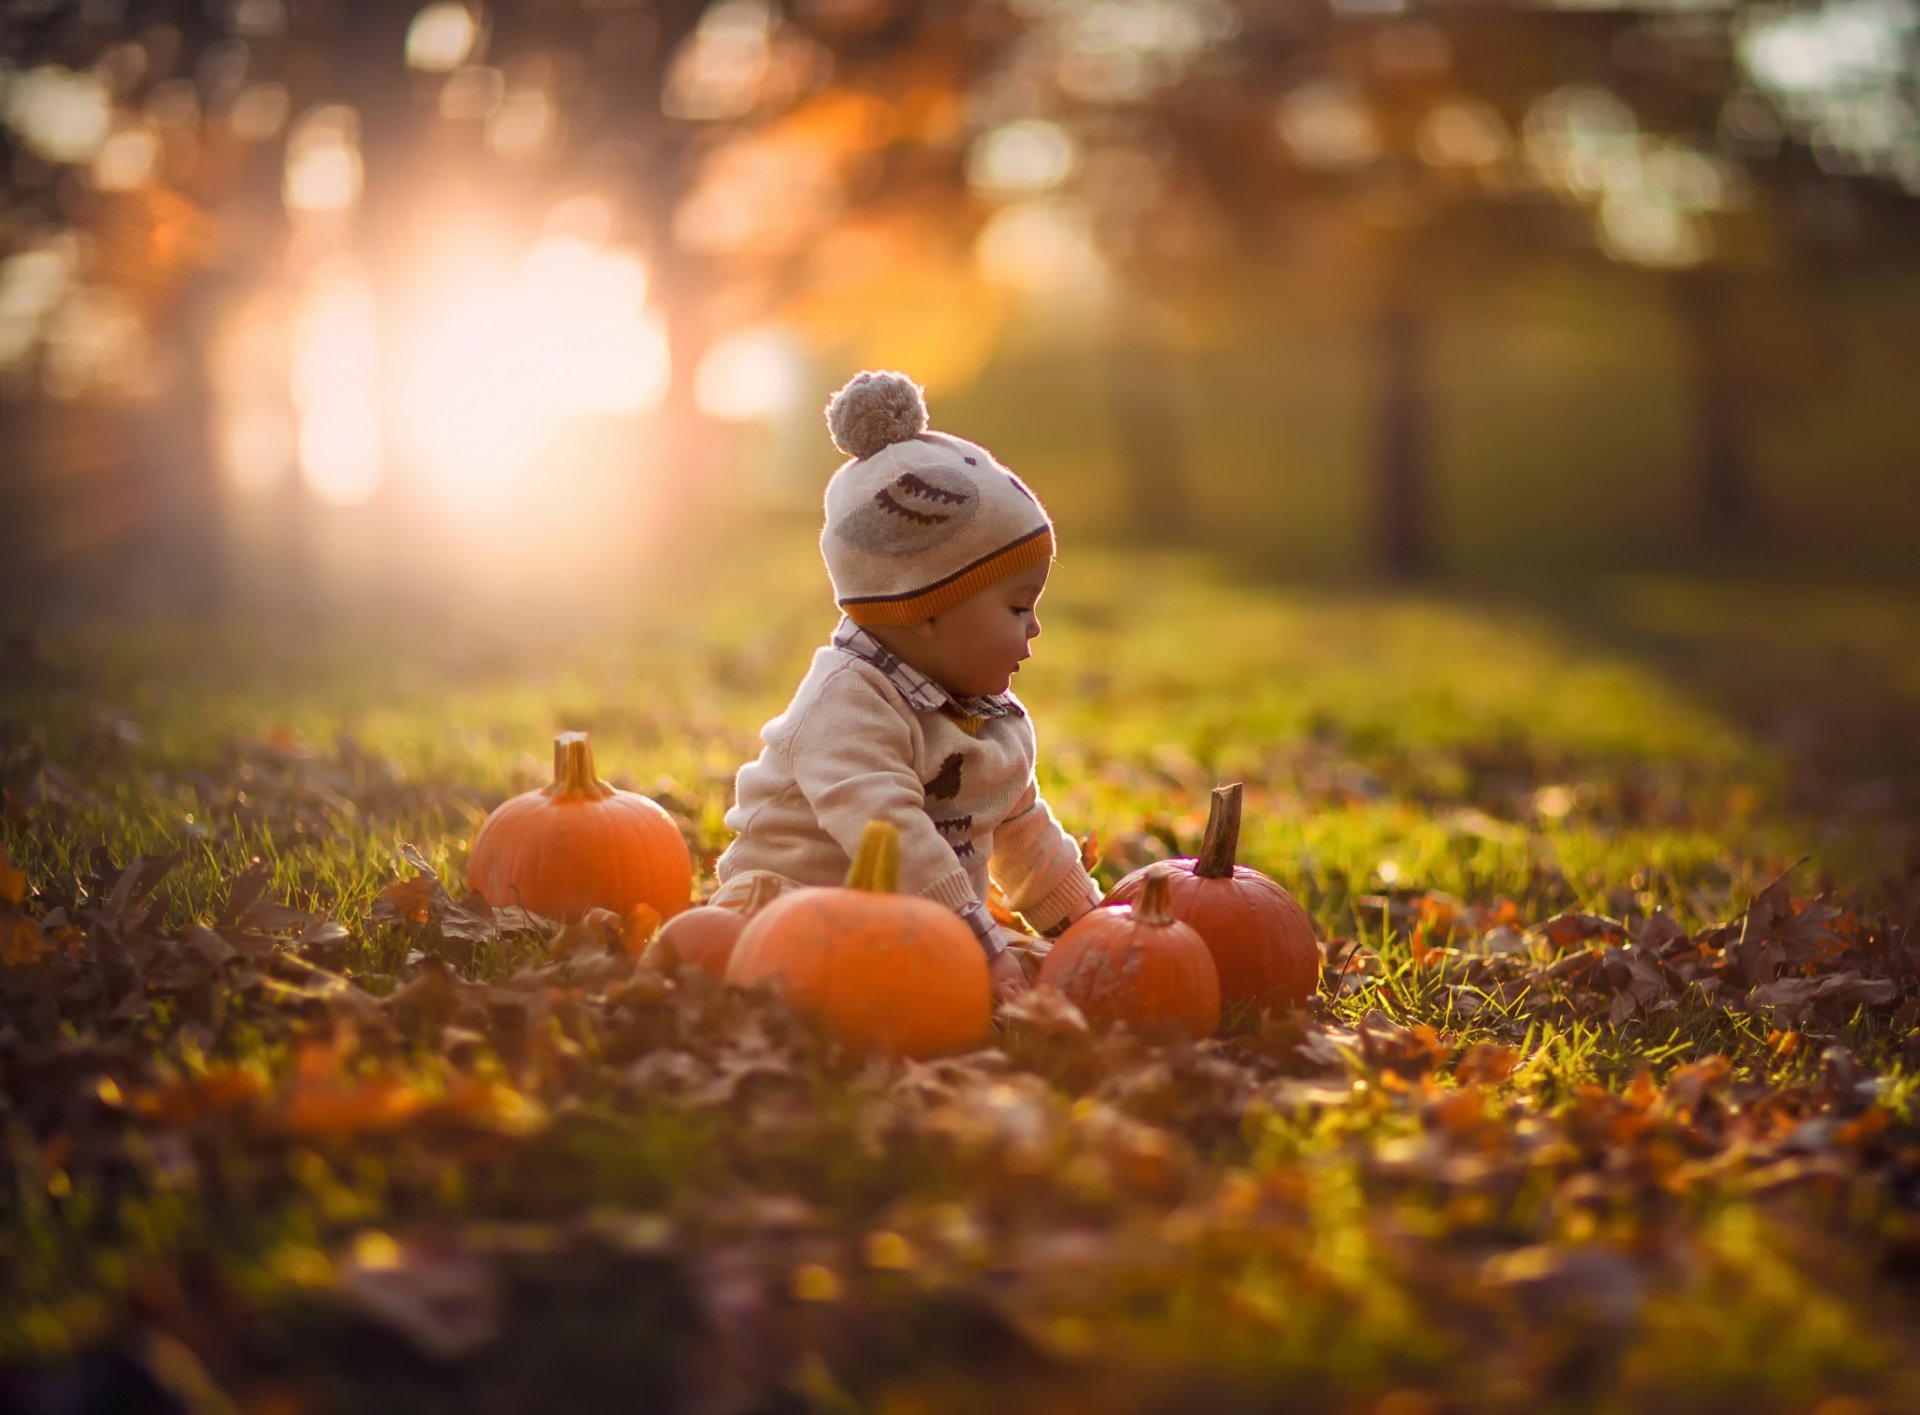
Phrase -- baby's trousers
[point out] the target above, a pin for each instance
(733, 894)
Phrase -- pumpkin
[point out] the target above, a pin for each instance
(885, 971)
(1137, 964)
(704, 936)
(1262, 941)
(580, 844)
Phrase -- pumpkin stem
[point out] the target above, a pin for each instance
(1155, 904)
(1221, 844)
(876, 865)
(573, 768)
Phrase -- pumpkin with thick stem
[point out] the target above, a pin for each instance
(580, 844)
(885, 971)
(1137, 964)
(1262, 941)
(704, 936)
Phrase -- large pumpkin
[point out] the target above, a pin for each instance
(704, 936)
(886, 971)
(580, 844)
(1136, 964)
(1262, 941)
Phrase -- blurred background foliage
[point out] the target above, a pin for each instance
(307, 302)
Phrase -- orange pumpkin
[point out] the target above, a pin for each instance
(886, 971)
(580, 844)
(1137, 964)
(1262, 941)
(704, 936)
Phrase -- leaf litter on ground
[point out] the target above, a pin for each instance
(1471, 1156)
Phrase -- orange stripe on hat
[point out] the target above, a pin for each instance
(964, 583)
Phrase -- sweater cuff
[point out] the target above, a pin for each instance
(955, 891)
(1069, 899)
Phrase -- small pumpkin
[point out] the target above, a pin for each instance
(580, 844)
(704, 936)
(1262, 941)
(1137, 964)
(886, 971)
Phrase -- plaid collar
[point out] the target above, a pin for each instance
(919, 690)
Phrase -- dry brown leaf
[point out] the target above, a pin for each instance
(13, 882)
(638, 928)
(408, 899)
(21, 942)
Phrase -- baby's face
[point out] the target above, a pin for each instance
(975, 648)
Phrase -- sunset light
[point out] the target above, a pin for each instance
(508, 508)
(494, 362)
(755, 374)
(336, 388)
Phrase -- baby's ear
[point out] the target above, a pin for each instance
(922, 628)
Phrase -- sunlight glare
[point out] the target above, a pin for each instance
(254, 439)
(336, 385)
(751, 376)
(496, 361)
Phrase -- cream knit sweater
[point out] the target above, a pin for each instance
(851, 748)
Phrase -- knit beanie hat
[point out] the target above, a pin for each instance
(918, 520)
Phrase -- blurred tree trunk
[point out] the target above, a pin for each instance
(1403, 544)
(676, 492)
(370, 65)
(1724, 495)
(173, 438)
(1143, 383)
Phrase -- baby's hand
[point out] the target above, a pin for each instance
(1008, 977)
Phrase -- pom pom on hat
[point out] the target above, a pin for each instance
(874, 411)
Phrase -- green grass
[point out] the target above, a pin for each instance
(1112, 1219)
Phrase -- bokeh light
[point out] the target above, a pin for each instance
(1327, 123)
(1022, 158)
(61, 115)
(442, 37)
(323, 172)
(127, 159)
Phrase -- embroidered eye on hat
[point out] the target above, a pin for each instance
(918, 521)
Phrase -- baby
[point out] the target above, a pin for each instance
(938, 557)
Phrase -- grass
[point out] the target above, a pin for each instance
(1607, 1218)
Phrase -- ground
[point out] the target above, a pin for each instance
(1607, 1100)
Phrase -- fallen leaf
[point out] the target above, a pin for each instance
(21, 941)
(13, 882)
